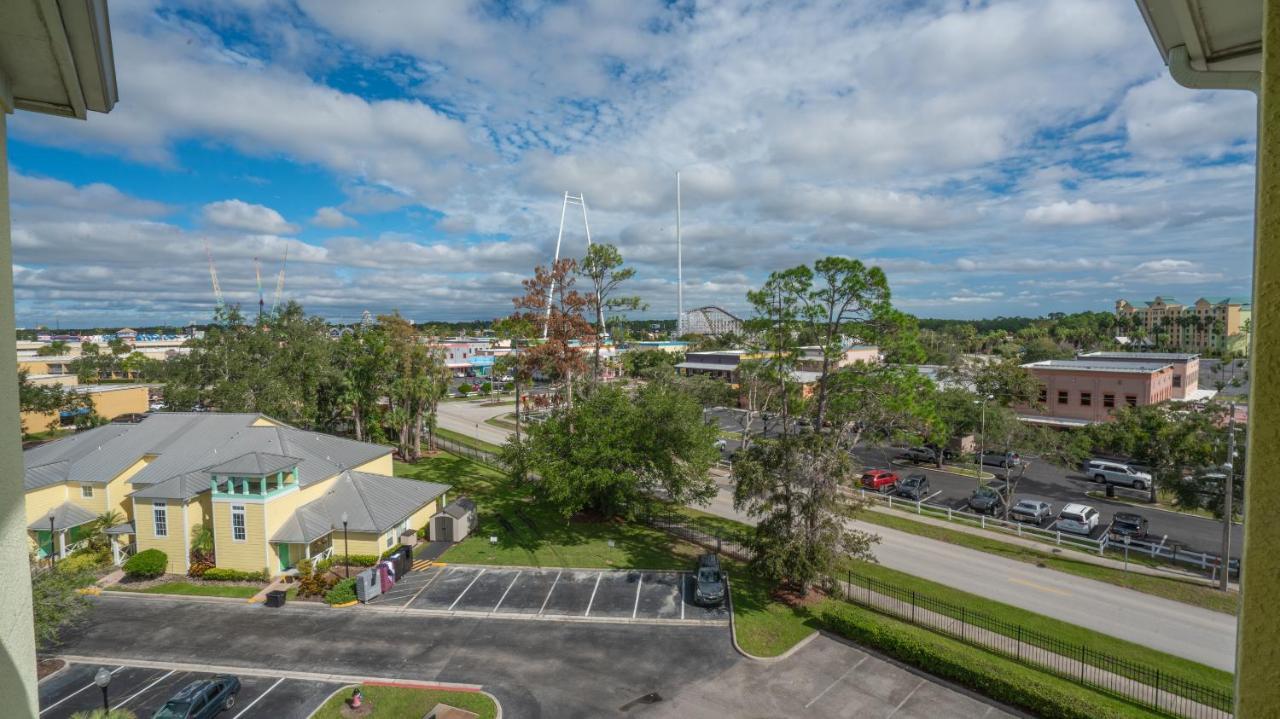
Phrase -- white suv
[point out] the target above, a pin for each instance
(1101, 470)
(1078, 519)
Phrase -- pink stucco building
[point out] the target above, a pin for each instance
(1186, 366)
(1082, 391)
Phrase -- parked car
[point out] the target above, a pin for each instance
(919, 455)
(156, 406)
(1002, 459)
(721, 444)
(1031, 510)
(988, 498)
(708, 582)
(879, 480)
(1110, 472)
(1078, 519)
(201, 699)
(1128, 524)
(915, 486)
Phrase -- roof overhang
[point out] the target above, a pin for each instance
(56, 57)
(1208, 44)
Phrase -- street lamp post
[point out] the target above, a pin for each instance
(53, 544)
(346, 547)
(982, 439)
(1229, 469)
(103, 678)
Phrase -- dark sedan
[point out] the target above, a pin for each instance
(201, 699)
(988, 499)
(1128, 524)
(915, 486)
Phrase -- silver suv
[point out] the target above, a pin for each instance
(1109, 472)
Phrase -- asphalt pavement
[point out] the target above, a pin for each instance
(535, 669)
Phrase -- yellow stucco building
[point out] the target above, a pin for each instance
(272, 494)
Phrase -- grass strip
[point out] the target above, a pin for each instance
(1179, 590)
(398, 702)
(192, 589)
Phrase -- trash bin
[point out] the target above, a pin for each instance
(403, 561)
(367, 586)
(276, 598)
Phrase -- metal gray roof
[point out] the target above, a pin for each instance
(182, 486)
(707, 366)
(65, 516)
(1099, 366)
(372, 503)
(182, 443)
(1139, 356)
(460, 507)
(254, 464)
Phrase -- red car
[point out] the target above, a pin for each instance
(879, 480)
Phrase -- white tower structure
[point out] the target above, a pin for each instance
(679, 267)
(568, 200)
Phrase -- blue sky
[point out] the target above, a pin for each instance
(1016, 157)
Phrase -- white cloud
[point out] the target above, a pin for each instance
(332, 218)
(241, 215)
(1078, 212)
(1172, 272)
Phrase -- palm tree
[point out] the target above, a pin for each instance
(99, 540)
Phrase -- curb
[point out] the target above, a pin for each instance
(344, 605)
(733, 634)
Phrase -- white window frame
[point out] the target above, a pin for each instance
(86, 491)
(391, 538)
(237, 510)
(160, 518)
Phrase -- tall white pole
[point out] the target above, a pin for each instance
(679, 266)
(552, 288)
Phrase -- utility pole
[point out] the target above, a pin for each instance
(1224, 573)
(679, 267)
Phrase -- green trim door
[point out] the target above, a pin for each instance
(282, 550)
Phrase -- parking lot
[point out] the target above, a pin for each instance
(603, 595)
(143, 690)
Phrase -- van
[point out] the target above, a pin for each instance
(1111, 472)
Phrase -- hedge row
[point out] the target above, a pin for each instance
(221, 574)
(1004, 680)
(342, 592)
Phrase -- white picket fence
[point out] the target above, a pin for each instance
(1161, 549)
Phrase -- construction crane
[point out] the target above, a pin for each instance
(213, 275)
(275, 301)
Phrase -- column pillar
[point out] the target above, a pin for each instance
(17, 632)
(1258, 630)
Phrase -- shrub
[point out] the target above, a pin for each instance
(312, 583)
(358, 560)
(84, 562)
(147, 564)
(323, 565)
(342, 592)
(509, 387)
(486, 388)
(464, 389)
(221, 574)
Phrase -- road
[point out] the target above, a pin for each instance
(1180, 629)
(468, 417)
(1173, 627)
(535, 669)
(1055, 485)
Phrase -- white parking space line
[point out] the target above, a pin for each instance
(473, 581)
(549, 591)
(424, 586)
(926, 499)
(838, 680)
(640, 583)
(257, 699)
(904, 699)
(509, 586)
(90, 684)
(142, 690)
(593, 595)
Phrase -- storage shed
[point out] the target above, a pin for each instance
(454, 522)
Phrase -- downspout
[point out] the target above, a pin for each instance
(1187, 76)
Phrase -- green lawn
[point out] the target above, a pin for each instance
(199, 589)
(468, 441)
(405, 703)
(1179, 590)
(546, 539)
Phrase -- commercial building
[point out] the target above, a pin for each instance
(674, 347)
(1186, 368)
(1206, 324)
(109, 402)
(272, 494)
(1083, 391)
(721, 364)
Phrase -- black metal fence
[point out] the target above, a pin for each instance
(1076, 662)
(729, 543)
(470, 452)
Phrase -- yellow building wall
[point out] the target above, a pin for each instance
(129, 400)
(33, 366)
(175, 545)
(33, 422)
(424, 515)
(264, 422)
(249, 555)
(361, 543)
(97, 504)
(382, 465)
(40, 501)
(118, 488)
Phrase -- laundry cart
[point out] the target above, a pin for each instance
(367, 585)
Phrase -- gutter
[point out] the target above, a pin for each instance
(1187, 76)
